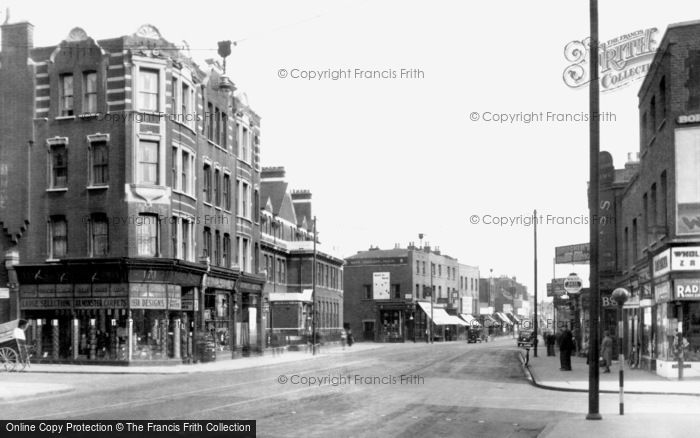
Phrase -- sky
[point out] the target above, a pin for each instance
(389, 158)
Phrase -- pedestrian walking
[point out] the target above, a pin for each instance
(566, 346)
(549, 341)
(606, 351)
(343, 337)
(351, 339)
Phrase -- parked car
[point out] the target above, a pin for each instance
(473, 337)
(525, 338)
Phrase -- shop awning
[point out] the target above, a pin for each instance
(471, 321)
(440, 316)
(504, 318)
(513, 318)
(490, 319)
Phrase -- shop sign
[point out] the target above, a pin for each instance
(45, 303)
(685, 258)
(220, 283)
(579, 253)
(687, 289)
(249, 286)
(645, 291)
(607, 301)
(378, 261)
(381, 282)
(100, 290)
(147, 303)
(662, 263)
(101, 303)
(4, 293)
(27, 290)
(662, 292)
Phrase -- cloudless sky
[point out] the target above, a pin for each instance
(387, 159)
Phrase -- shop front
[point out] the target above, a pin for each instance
(394, 321)
(678, 327)
(128, 314)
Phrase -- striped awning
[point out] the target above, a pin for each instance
(503, 318)
(440, 316)
(470, 320)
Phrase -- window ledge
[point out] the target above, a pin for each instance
(65, 118)
(189, 195)
(97, 187)
(183, 124)
(217, 207)
(208, 204)
(52, 260)
(57, 189)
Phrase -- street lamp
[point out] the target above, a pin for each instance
(620, 295)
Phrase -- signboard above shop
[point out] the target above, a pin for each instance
(573, 254)
(661, 264)
(686, 258)
(380, 286)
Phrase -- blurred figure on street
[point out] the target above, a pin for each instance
(566, 346)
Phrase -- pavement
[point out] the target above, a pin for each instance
(544, 373)
(14, 390)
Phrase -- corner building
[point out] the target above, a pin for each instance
(653, 248)
(129, 200)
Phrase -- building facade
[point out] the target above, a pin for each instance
(388, 294)
(288, 259)
(654, 245)
(129, 201)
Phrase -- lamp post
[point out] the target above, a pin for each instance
(620, 295)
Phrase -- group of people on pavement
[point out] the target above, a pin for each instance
(567, 346)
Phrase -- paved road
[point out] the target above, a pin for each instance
(454, 389)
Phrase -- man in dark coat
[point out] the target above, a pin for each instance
(566, 346)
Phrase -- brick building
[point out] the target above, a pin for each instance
(388, 294)
(129, 180)
(652, 247)
(288, 260)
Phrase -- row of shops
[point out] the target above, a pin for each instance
(411, 321)
(131, 312)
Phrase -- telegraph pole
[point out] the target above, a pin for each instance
(594, 137)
